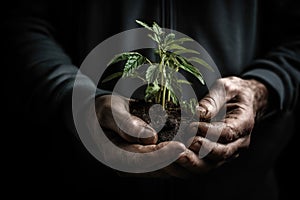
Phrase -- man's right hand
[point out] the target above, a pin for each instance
(118, 119)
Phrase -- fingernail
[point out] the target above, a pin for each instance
(201, 111)
(149, 135)
(176, 148)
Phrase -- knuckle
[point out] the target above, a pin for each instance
(180, 147)
(234, 78)
(229, 134)
(208, 101)
(173, 146)
(227, 152)
(184, 158)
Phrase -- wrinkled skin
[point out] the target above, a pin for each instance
(244, 100)
(143, 139)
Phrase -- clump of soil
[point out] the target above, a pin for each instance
(166, 122)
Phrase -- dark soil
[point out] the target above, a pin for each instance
(165, 122)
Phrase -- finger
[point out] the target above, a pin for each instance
(190, 161)
(147, 157)
(215, 131)
(219, 152)
(172, 170)
(166, 148)
(210, 105)
(135, 130)
(222, 91)
(195, 144)
(240, 118)
(237, 123)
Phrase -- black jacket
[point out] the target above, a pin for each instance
(46, 41)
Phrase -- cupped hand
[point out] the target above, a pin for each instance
(113, 114)
(243, 102)
(136, 138)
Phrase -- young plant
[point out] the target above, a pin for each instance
(163, 83)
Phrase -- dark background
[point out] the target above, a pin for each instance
(24, 160)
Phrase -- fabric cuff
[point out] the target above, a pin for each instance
(271, 80)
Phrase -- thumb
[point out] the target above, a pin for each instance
(135, 130)
(113, 114)
(212, 103)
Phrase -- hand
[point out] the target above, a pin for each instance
(244, 101)
(118, 119)
(143, 139)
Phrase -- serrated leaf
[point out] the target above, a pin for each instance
(144, 25)
(201, 62)
(152, 73)
(133, 63)
(122, 57)
(152, 91)
(112, 76)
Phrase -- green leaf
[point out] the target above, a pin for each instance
(152, 73)
(186, 51)
(172, 60)
(122, 57)
(152, 91)
(169, 38)
(189, 106)
(201, 62)
(144, 25)
(162, 78)
(157, 38)
(192, 105)
(182, 81)
(154, 38)
(112, 76)
(186, 66)
(133, 63)
(173, 86)
(180, 40)
(157, 29)
(175, 47)
(174, 97)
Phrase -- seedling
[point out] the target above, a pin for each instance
(163, 82)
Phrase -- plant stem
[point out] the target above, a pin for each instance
(164, 97)
(162, 83)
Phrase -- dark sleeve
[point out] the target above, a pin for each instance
(278, 65)
(43, 71)
(280, 70)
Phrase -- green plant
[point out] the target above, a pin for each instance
(163, 83)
